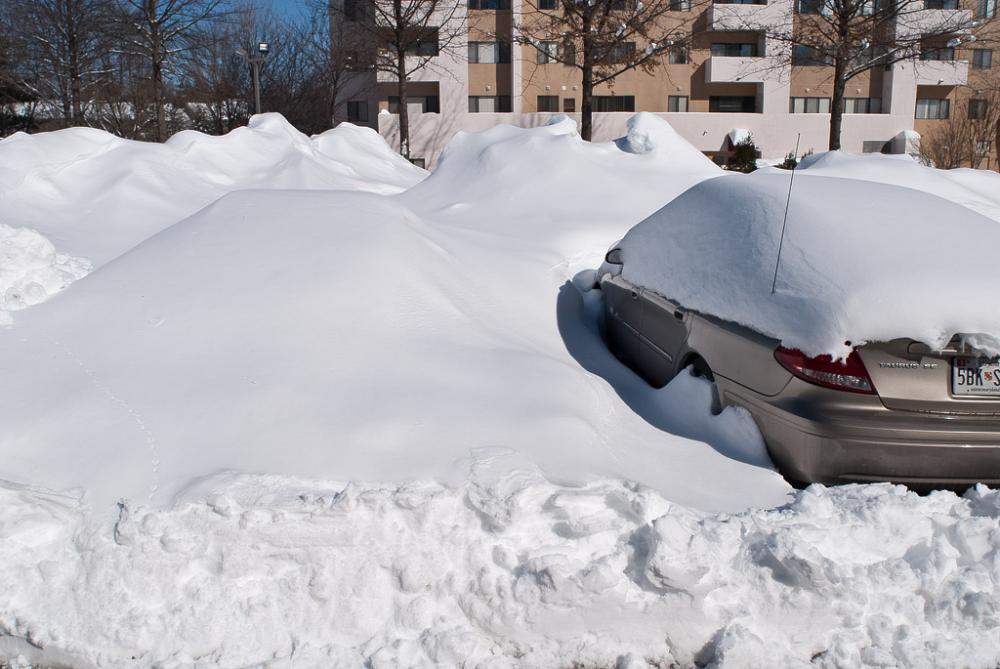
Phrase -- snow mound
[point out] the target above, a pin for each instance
(332, 334)
(96, 195)
(648, 133)
(547, 183)
(978, 190)
(861, 261)
(503, 571)
(31, 270)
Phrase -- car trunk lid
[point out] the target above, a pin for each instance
(909, 376)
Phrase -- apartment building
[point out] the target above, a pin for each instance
(729, 78)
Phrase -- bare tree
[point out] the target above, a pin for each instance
(408, 35)
(336, 57)
(967, 136)
(62, 43)
(215, 88)
(159, 31)
(604, 39)
(16, 104)
(857, 36)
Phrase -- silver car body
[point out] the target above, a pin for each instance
(913, 430)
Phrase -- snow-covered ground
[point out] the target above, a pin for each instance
(373, 423)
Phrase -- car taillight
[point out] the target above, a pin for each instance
(823, 370)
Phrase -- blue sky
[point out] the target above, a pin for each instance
(291, 7)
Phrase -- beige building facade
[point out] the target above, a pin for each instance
(730, 80)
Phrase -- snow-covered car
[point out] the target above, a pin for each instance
(867, 355)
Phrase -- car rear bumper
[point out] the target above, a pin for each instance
(855, 438)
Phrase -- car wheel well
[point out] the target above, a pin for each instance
(701, 366)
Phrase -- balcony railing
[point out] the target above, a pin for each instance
(736, 69)
(942, 72)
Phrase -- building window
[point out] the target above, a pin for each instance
(548, 103)
(617, 52)
(809, 105)
(426, 43)
(982, 59)
(569, 105)
(569, 53)
(677, 103)
(986, 9)
(427, 104)
(357, 111)
(977, 110)
(487, 104)
(983, 147)
(351, 10)
(940, 4)
(547, 4)
(932, 108)
(811, 7)
(746, 50)
(862, 105)
(614, 103)
(677, 55)
(546, 52)
(810, 55)
(489, 4)
(680, 5)
(938, 53)
(728, 104)
(489, 52)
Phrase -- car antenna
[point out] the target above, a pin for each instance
(784, 221)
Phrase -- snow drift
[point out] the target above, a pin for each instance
(977, 189)
(323, 334)
(861, 261)
(96, 195)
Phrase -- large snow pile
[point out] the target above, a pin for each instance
(861, 261)
(338, 429)
(96, 195)
(328, 334)
(977, 189)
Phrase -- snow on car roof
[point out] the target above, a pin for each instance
(862, 261)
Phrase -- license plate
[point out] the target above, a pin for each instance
(975, 376)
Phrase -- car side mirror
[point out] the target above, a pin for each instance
(614, 257)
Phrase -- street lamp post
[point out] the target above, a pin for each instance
(262, 50)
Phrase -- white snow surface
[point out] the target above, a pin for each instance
(31, 269)
(862, 261)
(96, 195)
(978, 190)
(327, 428)
(503, 571)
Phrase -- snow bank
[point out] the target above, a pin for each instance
(977, 189)
(548, 185)
(31, 270)
(503, 571)
(95, 195)
(337, 335)
(861, 261)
